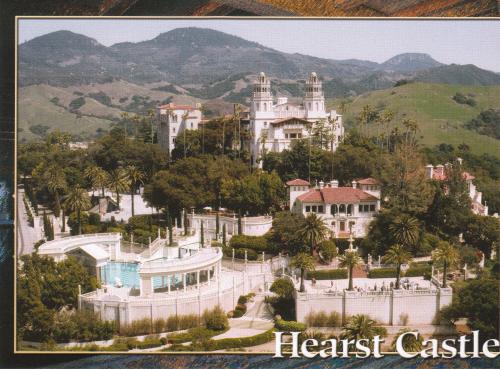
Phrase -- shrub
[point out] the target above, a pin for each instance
(322, 319)
(418, 270)
(243, 299)
(323, 274)
(240, 254)
(238, 313)
(256, 243)
(215, 319)
(289, 326)
(327, 250)
(94, 219)
(382, 273)
(229, 343)
(283, 287)
(148, 343)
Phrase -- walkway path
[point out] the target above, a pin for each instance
(27, 236)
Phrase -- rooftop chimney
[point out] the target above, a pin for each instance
(354, 184)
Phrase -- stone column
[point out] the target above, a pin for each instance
(184, 281)
(198, 279)
(146, 286)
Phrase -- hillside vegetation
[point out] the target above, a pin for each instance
(440, 118)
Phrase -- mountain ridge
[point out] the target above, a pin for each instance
(202, 56)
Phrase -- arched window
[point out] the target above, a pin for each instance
(334, 209)
(258, 106)
(317, 106)
(265, 106)
(349, 209)
(309, 106)
(342, 209)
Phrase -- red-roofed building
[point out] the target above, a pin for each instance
(343, 209)
(438, 173)
(173, 119)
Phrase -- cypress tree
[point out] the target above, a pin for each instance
(224, 234)
(185, 223)
(239, 223)
(217, 225)
(202, 234)
(63, 217)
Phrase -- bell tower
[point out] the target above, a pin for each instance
(261, 114)
(314, 100)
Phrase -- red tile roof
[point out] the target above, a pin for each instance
(336, 195)
(297, 182)
(368, 181)
(177, 107)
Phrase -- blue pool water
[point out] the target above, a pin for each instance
(128, 274)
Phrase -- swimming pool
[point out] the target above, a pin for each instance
(128, 275)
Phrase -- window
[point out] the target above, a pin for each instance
(173, 129)
(309, 106)
(258, 106)
(342, 208)
(320, 209)
(265, 124)
(308, 209)
(191, 125)
(314, 208)
(349, 209)
(175, 118)
(265, 106)
(372, 207)
(334, 209)
(342, 226)
(366, 208)
(360, 208)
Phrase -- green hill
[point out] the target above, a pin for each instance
(439, 117)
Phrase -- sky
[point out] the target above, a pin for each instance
(448, 41)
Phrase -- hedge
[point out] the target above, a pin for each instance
(382, 273)
(327, 274)
(230, 343)
(418, 270)
(289, 326)
(257, 243)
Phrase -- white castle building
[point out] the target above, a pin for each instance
(273, 126)
(345, 210)
(173, 120)
(438, 173)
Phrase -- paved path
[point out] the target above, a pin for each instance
(27, 236)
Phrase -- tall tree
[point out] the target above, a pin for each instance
(397, 255)
(446, 254)
(118, 182)
(77, 200)
(304, 262)
(313, 231)
(405, 230)
(349, 260)
(56, 183)
(135, 177)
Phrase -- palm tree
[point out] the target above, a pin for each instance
(97, 177)
(304, 262)
(90, 174)
(349, 260)
(362, 327)
(313, 232)
(118, 182)
(56, 182)
(447, 254)
(397, 255)
(410, 343)
(77, 200)
(405, 230)
(135, 177)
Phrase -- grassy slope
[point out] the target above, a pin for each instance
(34, 107)
(439, 117)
